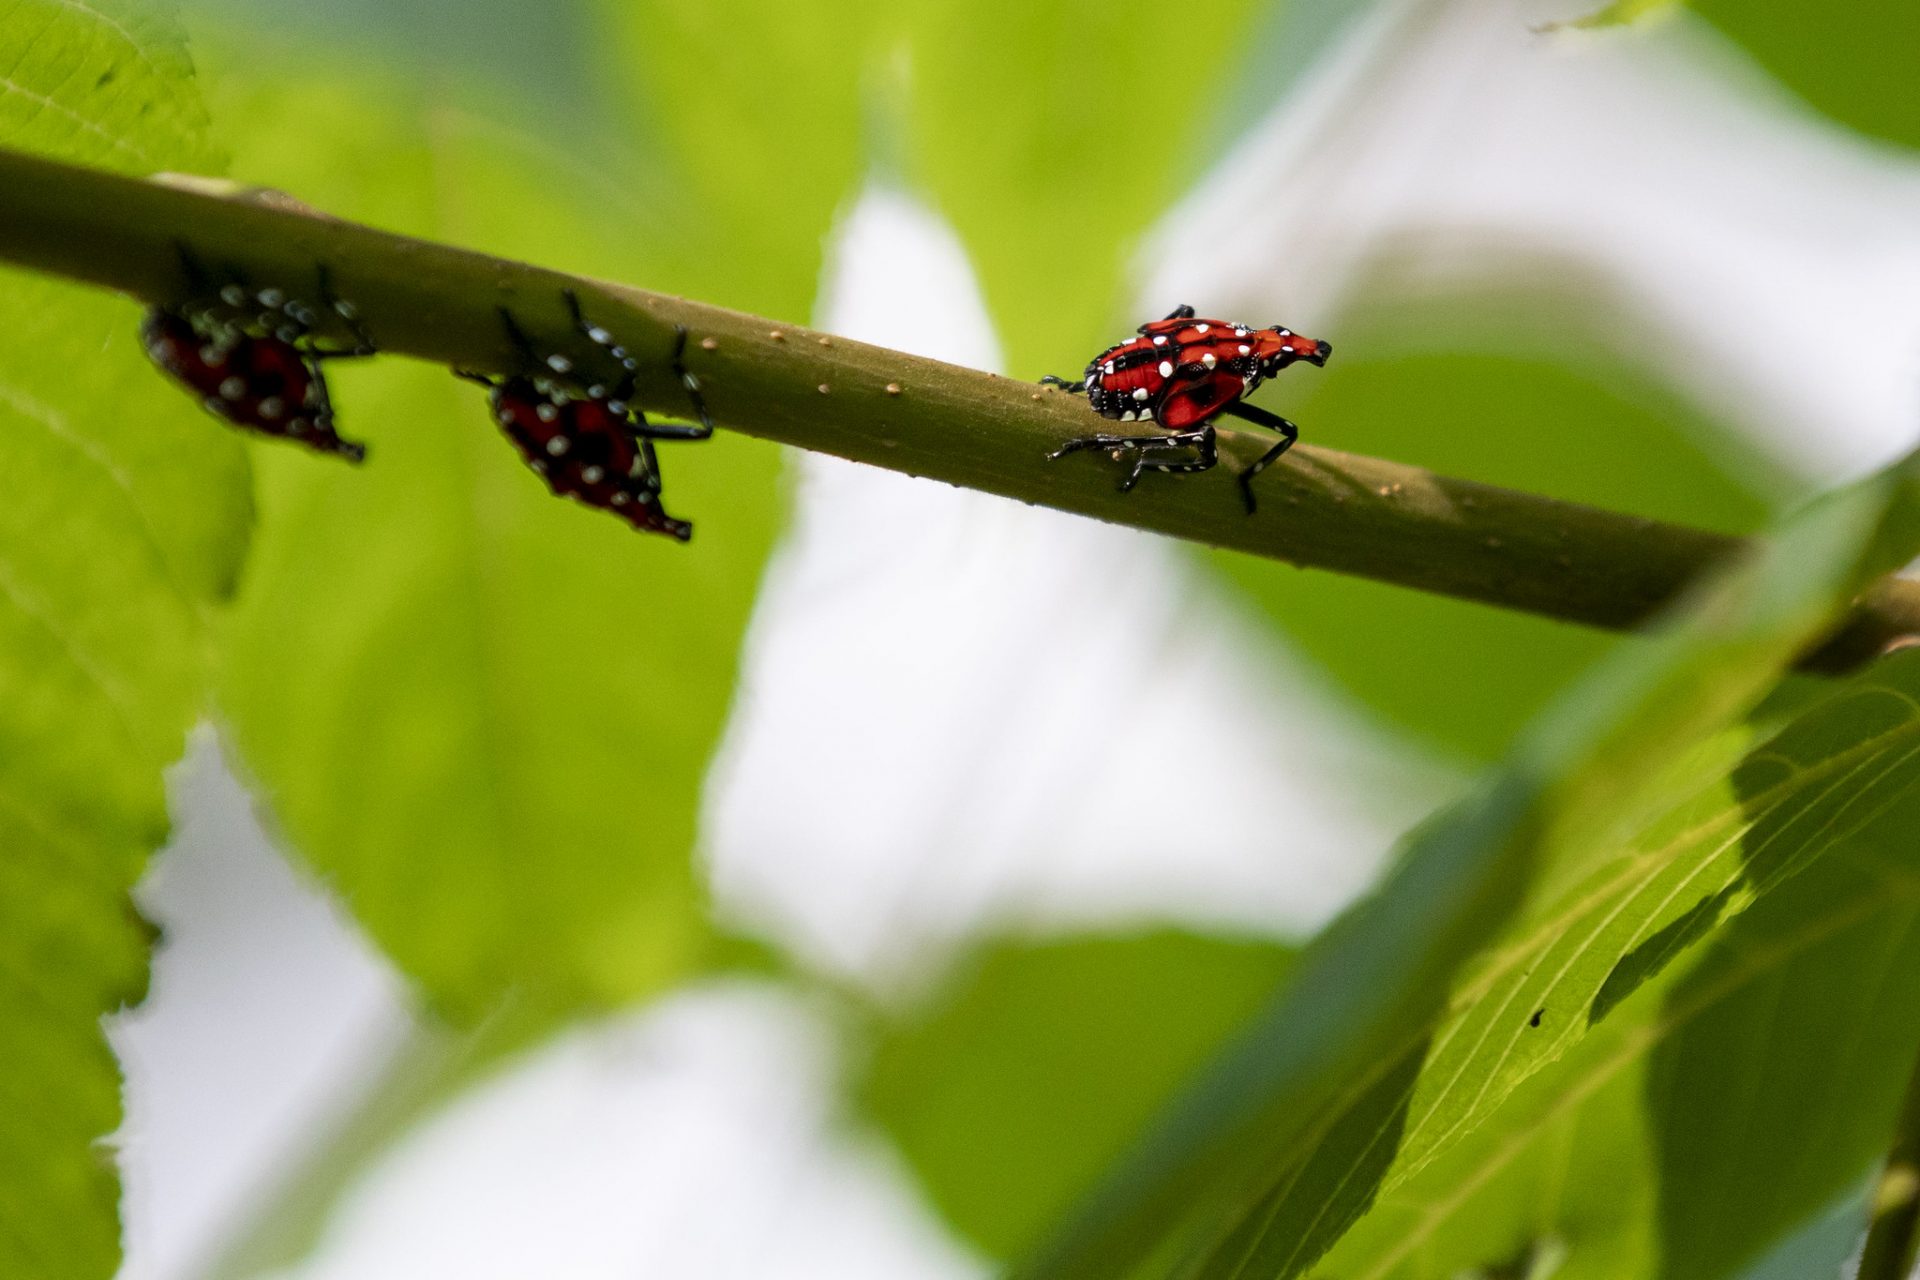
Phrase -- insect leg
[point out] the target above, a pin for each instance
(1072, 386)
(1202, 440)
(1273, 422)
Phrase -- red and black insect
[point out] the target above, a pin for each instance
(585, 436)
(1181, 373)
(251, 356)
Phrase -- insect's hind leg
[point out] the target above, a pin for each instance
(1273, 422)
(1072, 386)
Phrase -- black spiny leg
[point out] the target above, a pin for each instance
(679, 430)
(347, 315)
(1147, 449)
(1273, 422)
(1072, 386)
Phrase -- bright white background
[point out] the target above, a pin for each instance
(942, 688)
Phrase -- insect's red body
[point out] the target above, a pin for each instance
(1180, 374)
(585, 450)
(1182, 371)
(584, 435)
(259, 382)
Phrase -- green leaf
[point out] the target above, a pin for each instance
(1499, 387)
(1051, 135)
(1298, 1124)
(1729, 1102)
(482, 713)
(1030, 1070)
(123, 517)
(1621, 13)
(752, 137)
(1853, 61)
(107, 82)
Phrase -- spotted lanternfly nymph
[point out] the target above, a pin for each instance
(251, 358)
(1181, 374)
(585, 436)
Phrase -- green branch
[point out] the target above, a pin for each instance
(1321, 508)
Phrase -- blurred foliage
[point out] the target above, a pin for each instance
(1857, 62)
(1050, 135)
(1586, 863)
(1621, 12)
(1033, 1068)
(1734, 1098)
(1508, 387)
(752, 134)
(482, 714)
(123, 516)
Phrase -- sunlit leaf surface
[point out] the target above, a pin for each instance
(123, 517)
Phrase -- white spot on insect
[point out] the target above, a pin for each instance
(1129, 416)
(618, 353)
(1160, 341)
(233, 388)
(1245, 350)
(557, 446)
(1093, 379)
(620, 498)
(1201, 328)
(547, 413)
(595, 391)
(298, 426)
(631, 363)
(270, 297)
(600, 336)
(211, 356)
(1286, 333)
(288, 333)
(559, 364)
(690, 382)
(505, 416)
(639, 465)
(1239, 332)
(1139, 393)
(1109, 368)
(233, 295)
(1208, 359)
(272, 407)
(592, 475)
(618, 408)
(538, 466)
(345, 310)
(1166, 368)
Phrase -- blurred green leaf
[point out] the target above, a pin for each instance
(1051, 135)
(752, 136)
(1856, 61)
(123, 517)
(1502, 388)
(1029, 1072)
(1299, 1122)
(1729, 1103)
(482, 713)
(1621, 13)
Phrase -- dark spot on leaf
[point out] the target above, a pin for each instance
(106, 78)
(1534, 1021)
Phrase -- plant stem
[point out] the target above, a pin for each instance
(1320, 508)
